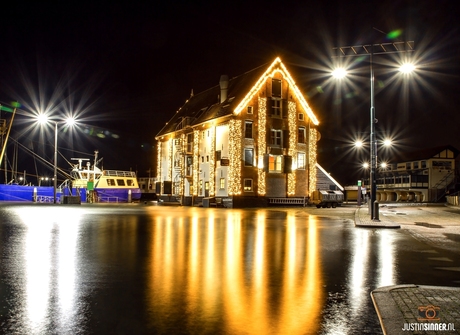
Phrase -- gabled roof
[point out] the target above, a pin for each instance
(428, 153)
(206, 105)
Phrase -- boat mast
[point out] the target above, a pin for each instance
(6, 139)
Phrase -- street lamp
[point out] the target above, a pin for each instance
(339, 73)
(43, 119)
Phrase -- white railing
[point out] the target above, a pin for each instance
(120, 173)
(287, 201)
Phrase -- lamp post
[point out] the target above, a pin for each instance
(43, 119)
(371, 50)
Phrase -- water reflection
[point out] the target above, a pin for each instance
(256, 276)
(43, 275)
(189, 270)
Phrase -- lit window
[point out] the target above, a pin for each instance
(248, 185)
(249, 157)
(274, 163)
(301, 161)
(222, 183)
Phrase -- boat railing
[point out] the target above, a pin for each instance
(116, 173)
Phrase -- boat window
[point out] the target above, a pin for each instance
(120, 182)
(111, 182)
(129, 182)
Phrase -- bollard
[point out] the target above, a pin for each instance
(376, 211)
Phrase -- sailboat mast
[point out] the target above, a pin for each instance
(7, 135)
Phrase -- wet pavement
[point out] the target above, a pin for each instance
(133, 269)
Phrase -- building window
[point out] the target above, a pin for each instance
(218, 155)
(247, 185)
(423, 164)
(276, 108)
(249, 157)
(222, 183)
(200, 192)
(189, 143)
(415, 165)
(276, 88)
(274, 163)
(301, 163)
(301, 135)
(275, 137)
(248, 129)
(250, 110)
(189, 165)
(300, 117)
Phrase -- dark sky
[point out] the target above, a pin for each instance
(125, 68)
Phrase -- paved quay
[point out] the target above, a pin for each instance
(413, 309)
(417, 309)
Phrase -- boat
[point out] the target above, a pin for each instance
(103, 185)
(86, 183)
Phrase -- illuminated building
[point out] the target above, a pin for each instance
(245, 141)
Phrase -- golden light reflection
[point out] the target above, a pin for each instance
(231, 268)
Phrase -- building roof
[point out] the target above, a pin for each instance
(206, 106)
(427, 153)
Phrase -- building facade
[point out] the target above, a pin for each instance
(424, 176)
(244, 141)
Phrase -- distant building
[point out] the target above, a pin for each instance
(423, 176)
(247, 140)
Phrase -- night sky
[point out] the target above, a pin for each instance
(123, 69)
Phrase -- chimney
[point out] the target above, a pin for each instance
(223, 87)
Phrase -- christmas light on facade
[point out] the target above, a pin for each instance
(262, 145)
(313, 138)
(292, 151)
(212, 161)
(235, 153)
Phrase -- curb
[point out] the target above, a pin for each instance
(373, 224)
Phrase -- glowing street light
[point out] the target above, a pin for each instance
(359, 144)
(43, 119)
(387, 142)
(407, 68)
(339, 73)
(371, 50)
